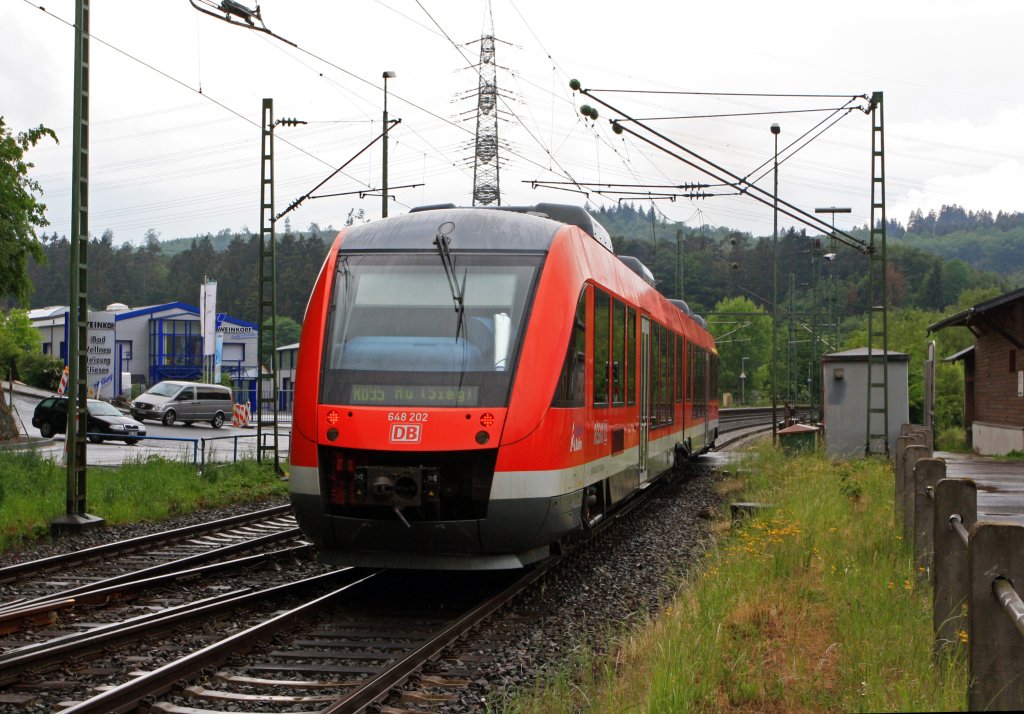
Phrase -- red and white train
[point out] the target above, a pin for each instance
(474, 385)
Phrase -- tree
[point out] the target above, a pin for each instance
(742, 330)
(20, 211)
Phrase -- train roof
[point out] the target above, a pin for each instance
(517, 228)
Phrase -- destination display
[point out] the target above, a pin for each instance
(400, 395)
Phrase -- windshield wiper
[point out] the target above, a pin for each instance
(442, 242)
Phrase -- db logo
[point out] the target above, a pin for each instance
(406, 433)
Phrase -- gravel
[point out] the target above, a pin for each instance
(615, 583)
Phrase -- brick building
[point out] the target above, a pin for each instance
(993, 372)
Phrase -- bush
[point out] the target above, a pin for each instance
(39, 370)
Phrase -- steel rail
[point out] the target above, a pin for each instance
(160, 568)
(97, 639)
(102, 593)
(395, 675)
(17, 570)
(127, 696)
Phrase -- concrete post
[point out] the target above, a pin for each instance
(927, 475)
(995, 646)
(927, 433)
(906, 429)
(949, 572)
(913, 454)
(899, 457)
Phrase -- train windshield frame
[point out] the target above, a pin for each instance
(401, 333)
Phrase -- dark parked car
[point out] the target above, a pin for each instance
(105, 421)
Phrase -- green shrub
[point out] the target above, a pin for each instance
(40, 371)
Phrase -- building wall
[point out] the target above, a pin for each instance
(999, 368)
(845, 404)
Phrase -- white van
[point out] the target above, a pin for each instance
(188, 402)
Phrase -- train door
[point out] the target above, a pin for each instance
(645, 393)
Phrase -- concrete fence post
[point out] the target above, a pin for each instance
(995, 646)
(914, 453)
(949, 571)
(927, 475)
(925, 432)
(899, 458)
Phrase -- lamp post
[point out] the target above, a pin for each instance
(384, 170)
(743, 380)
(775, 283)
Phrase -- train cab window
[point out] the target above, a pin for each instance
(602, 306)
(397, 336)
(631, 357)
(618, 352)
(569, 392)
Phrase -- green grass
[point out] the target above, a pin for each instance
(33, 491)
(811, 605)
(952, 439)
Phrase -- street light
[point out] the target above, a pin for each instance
(384, 171)
(775, 283)
(743, 380)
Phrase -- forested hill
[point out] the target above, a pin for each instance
(712, 263)
(992, 243)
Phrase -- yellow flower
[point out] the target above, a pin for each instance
(963, 636)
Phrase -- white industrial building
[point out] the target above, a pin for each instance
(146, 345)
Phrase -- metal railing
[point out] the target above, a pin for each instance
(205, 450)
(972, 566)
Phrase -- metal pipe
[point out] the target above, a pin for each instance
(957, 524)
(1010, 600)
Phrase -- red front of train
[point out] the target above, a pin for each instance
(474, 385)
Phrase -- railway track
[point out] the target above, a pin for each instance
(336, 650)
(53, 597)
(740, 424)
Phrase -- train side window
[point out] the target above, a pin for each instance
(569, 392)
(601, 362)
(632, 360)
(677, 373)
(618, 351)
(668, 344)
(689, 372)
(655, 371)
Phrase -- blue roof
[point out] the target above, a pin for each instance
(191, 309)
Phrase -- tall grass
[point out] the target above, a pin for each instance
(810, 605)
(33, 492)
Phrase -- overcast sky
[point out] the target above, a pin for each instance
(167, 157)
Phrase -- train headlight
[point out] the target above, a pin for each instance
(333, 417)
(487, 419)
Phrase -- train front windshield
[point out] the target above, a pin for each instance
(403, 331)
